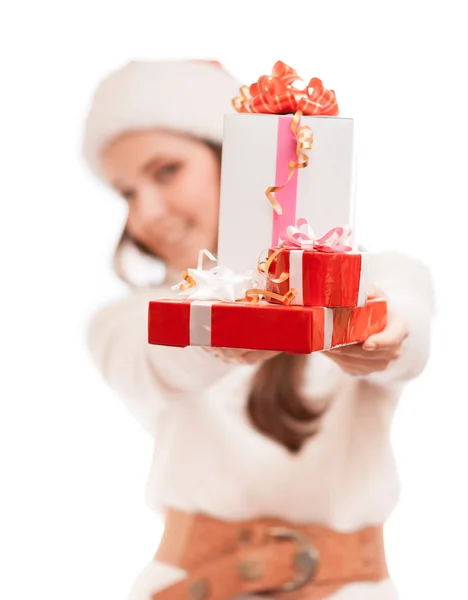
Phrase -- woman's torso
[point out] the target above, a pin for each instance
(208, 458)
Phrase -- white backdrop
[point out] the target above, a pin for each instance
(73, 463)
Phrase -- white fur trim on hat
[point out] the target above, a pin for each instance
(184, 96)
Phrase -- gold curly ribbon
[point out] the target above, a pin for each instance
(263, 267)
(304, 141)
(253, 296)
(238, 101)
(189, 281)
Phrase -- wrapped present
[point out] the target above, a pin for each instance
(296, 158)
(322, 271)
(261, 326)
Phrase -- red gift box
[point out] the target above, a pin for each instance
(332, 279)
(263, 326)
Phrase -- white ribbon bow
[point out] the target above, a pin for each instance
(218, 283)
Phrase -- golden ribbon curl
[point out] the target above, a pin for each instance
(264, 266)
(189, 281)
(254, 294)
(304, 141)
(239, 101)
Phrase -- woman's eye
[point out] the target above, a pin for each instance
(127, 194)
(165, 172)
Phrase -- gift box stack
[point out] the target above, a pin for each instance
(287, 166)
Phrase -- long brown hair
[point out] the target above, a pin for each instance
(276, 406)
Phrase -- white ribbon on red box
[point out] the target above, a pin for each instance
(200, 323)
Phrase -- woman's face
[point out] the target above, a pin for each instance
(171, 185)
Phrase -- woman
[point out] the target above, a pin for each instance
(272, 469)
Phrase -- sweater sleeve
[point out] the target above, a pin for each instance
(408, 286)
(145, 376)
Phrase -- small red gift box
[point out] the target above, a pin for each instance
(332, 279)
(263, 326)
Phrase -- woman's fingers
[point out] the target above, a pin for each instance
(240, 355)
(252, 357)
(393, 335)
(360, 366)
(357, 351)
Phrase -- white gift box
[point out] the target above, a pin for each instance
(257, 149)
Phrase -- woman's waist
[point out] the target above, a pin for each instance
(225, 559)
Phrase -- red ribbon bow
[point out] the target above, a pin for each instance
(275, 94)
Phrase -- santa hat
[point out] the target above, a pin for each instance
(189, 97)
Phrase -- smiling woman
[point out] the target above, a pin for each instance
(171, 184)
(264, 456)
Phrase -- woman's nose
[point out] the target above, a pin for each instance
(148, 205)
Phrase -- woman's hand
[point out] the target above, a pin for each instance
(377, 352)
(240, 356)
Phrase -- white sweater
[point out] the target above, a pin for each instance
(208, 458)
